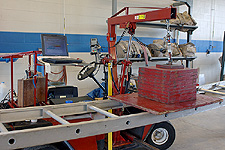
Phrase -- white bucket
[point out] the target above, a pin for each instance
(201, 79)
(3, 91)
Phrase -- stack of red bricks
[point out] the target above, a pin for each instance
(167, 85)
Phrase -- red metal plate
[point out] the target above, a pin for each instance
(158, 108)
(165, 66)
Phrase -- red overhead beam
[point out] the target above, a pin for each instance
(160, 14)
(132, 19)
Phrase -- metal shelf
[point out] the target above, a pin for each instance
(161, 59)
(173, 58)
(163, 26)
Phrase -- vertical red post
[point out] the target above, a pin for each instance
(127, 10)
(11, 59)
(35, 63)
(123, 76)
(112, 49)
(46, 88)
(29, 67)
(35, 77)
(15, 104)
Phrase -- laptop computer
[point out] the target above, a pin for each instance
(54, 49)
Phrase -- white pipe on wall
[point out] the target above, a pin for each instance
(212, 21)
(114, 6)
(64, 17)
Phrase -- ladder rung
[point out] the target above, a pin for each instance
(57, 118)
(103, 112)
(214, 92)
(3, 128)
(222, 86)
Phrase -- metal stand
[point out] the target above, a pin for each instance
(20, 55)
(213, 88)
(223, 59)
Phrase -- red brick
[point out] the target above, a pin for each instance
(167, 85)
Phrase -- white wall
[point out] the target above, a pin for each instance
(89, 17)
(210, 17)
(204, 12)
(19, 72)
(31, 15)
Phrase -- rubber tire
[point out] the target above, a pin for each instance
(171, 131)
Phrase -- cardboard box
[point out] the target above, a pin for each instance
(26, 91)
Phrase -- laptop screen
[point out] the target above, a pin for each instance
(54, 45)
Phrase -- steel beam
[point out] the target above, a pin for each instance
(3, 128)
(222, 86)
(160, 14)
(211, 91)
(103, 112)
(57, 118)
(213, 86)
(29, 113)
(159, 59)
(37, 136)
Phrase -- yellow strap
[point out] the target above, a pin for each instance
(109, 94)
(109, 80)
(101, 98)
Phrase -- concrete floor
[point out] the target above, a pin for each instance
(203, 131)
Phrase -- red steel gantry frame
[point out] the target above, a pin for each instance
(20, 55)
(129, 21)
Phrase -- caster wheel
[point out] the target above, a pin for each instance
(162, 135)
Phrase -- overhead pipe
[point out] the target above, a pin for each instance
(114, 9)
(114, 6)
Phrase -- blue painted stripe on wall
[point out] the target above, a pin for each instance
(203, 45)
(11, 42)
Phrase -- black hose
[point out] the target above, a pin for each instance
(114, 81)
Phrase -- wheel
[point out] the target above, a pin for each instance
(86, 71)
(161, 136)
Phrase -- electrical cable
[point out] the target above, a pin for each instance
(58, 72)
(36, 81)
(7, 95)
(140, 42)
(63, 77)
(37, 100)
(121, 37)
(129, 72)
(114, 81)
(97, 70)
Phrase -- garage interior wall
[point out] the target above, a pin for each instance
(22, 22)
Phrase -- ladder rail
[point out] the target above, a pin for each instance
(32, 113)
(110, 115)
(57, 118)
(22, 138)
(214, 92)
(3, 128)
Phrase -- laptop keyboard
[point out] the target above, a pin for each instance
(61, 60)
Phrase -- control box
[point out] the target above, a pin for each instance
(94, 45)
